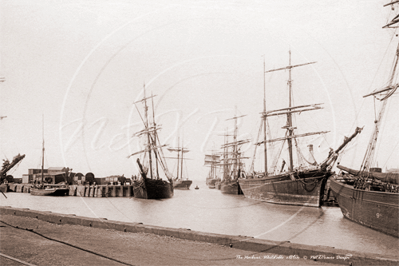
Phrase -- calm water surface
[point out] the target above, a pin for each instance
(211, 211)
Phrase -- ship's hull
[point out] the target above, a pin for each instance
(182, 184)
(147, 188)
(52, 191)
(231, 187)
(374, 209)
(210, 182)
(303, 188)
(218, 184)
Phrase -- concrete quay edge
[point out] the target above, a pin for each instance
(321, 253)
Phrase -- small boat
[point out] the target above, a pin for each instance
(212, 160)
(150, 185)
(50, 190)
(182, 183)
(46, 186)
(196, 187)
(369, 196)
(302, 185)
(211, 183)
(179, 182)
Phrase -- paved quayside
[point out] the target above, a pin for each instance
(113, 243)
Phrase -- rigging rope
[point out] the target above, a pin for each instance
(251, 170)
(368, 159)
(379, 66)
(301, 155)
(278, 156)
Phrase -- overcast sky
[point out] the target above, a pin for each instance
(82, 64)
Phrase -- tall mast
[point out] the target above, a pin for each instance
(42, 147)
(181, 165)
(149, 146)
(178, 158)
(155, 135)
(289, 127)
(235, 158)
(235, 148)
(264, 111)
(213, 165)
(152, 138)
(289, 116)
(388, 91)
(225, 160)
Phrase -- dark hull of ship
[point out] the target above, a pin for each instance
(147, 188)
(210, 182)
(306, 190)
(232, 187)
(182, 184)
(53, 191)
(375, 209)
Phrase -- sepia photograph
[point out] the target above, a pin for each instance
(190, 132)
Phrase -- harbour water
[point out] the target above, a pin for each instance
(209, 210)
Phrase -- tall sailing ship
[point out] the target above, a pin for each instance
(179, 182)
(232, 165)
(300, 185)
(213, 161)
(149, 184)
(369, 196)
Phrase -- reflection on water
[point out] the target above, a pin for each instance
(211, 211)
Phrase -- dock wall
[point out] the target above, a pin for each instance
(97, 191)
(316, 253)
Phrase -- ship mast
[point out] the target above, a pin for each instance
(42, 147)
(155, 136)
(290, 129)
(395, 20)
(226, 161)
(264, 118)
(386, 93)
(289, 117)
(213, 160)
(236, 158)
(146, 123)
(234, 144)
(180, 158)
(151, 136)
(181, 164)
(147, 131)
